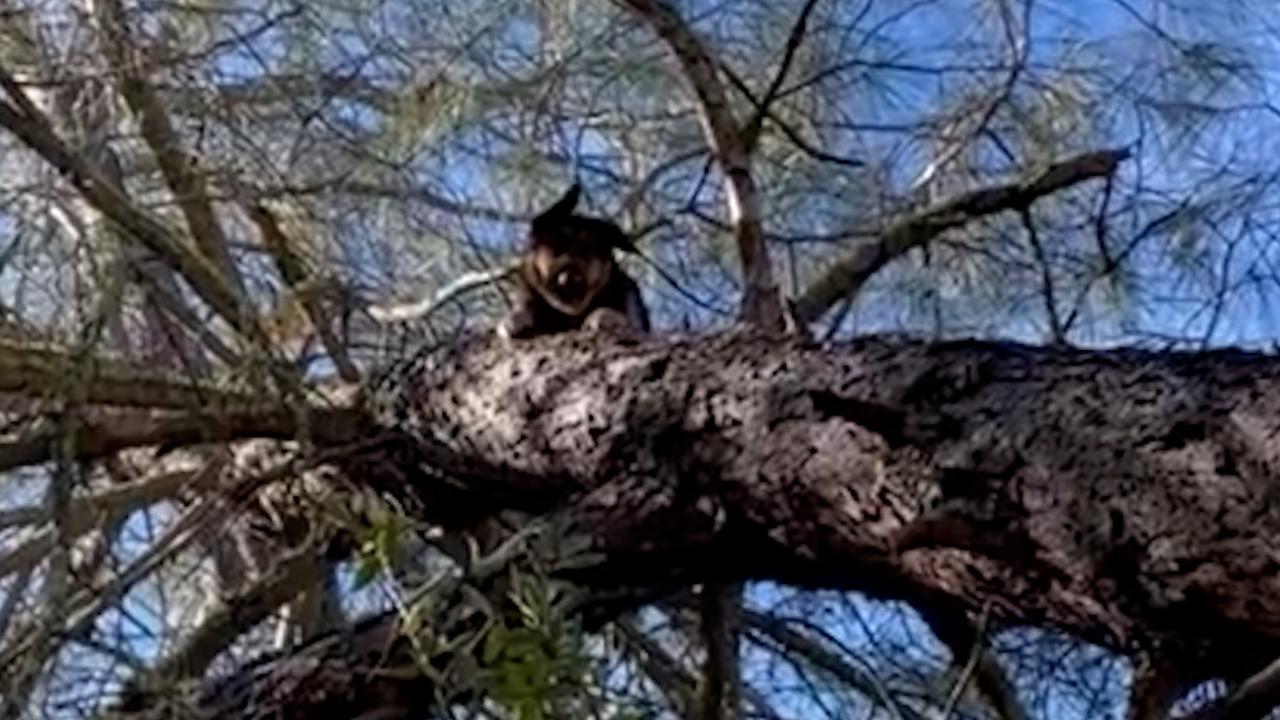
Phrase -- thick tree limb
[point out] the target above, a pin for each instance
(761, 302)
(1126, 497)
(1113, 495)
(849, 274)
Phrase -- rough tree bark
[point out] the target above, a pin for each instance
(1122, 496)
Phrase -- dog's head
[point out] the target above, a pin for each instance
(569, 258)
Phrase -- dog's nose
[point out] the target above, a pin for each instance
(566, 279)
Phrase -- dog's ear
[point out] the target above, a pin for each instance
(622, 241)
(560, 211)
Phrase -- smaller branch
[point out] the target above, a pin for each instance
(720, 606)
(1113, 261)
(161, 290)
(87, 604)
(1056, 328)
(953, 627)
(976, 653)
(329, 426)
(792, 643)
(12, 597)
(180, 169)
(804, 145)
(84, 511)
(108, 198)
(670, 676)
(663, 670)
(408, 193)
(850, 273)
(761, 300)
(427, 306)
(751, 131)
(24, 557)
(39, 369)
(296, 274)
(233, 617)
(86, 514)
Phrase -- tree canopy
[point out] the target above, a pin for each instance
(958, 402)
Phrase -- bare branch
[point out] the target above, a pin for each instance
(751, 131)
(426, 306)
(181, 170)
(41, 370)
(789, 132)
(847, 276)
(1057, 330)
(761, 301)
(125, 498)
(95, 440)
(721, 606)
(234, 616)
(963, 637)
(774, 631)
(109, 199)
(296, 274)
(88, 603)
(663, 670)
(85, 514)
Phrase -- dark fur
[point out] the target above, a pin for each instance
(592, 291)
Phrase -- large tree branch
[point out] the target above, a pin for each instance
(1113, 495)
(761, 302)
(847, 276)
(1126, 497)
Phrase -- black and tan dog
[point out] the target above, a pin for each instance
(570, 280)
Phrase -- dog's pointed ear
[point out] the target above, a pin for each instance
(561, 210)
(622, 241)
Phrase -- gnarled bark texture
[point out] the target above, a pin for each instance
(1124, 496)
